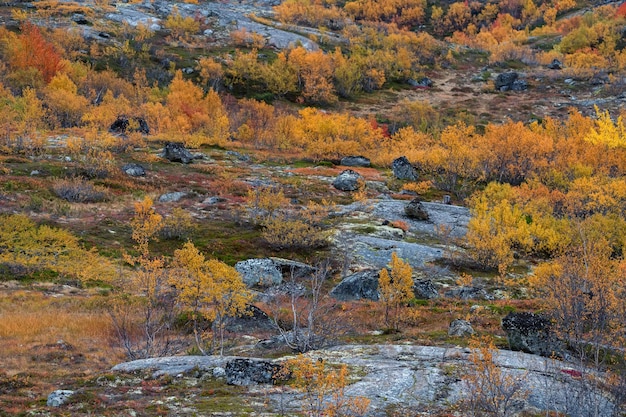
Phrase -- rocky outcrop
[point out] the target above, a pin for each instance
(416, 210)
(259, 272)
(349, 180)
(401, 377)
(460, 328)
(59, 397)
(362, 285)
(134, 170)
(245, 372)
(355, 161)
(403, 170)
(176, 152)
(423, 82)
(530, 332)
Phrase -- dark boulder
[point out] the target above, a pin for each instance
(362, 285)
(245, 372)
(506, 80)
(403, 170)
(415, 210)
(531, 333)
(349, 180)
(253, 319)
(424, 289)
(176, 152)
(355, 161)
(555, 64)
(122, 125)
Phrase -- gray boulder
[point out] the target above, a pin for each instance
(403, 170)
(134, 170)
(423, 82)
(349, 180)
(176, 152)
(424, 289)
(460, 328)
(519, 85)
(362, 285)
(531, 333)
(245, 372)
(415, 210)
(355, 161)
(293, 268)
(172, 197)
(261, 272)
(59, 397)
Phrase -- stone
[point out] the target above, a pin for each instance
(403, 170)
(246, 372)
(293, 268)
(519, 85)
(59, 397)
(460, 328)
(555, 64)
(447, 199)
(238, 156)
(253, 319)
(80, 19)
(259, 272)
(531, 333)
(122, 124)
(213, 200)
(423, 82)
(187, 70)
(349, 180)
(504, 81)
(207, 32)
(176, 152)
(362, 285)
(172, 197)
(416, 210)
(468, 293)
(134, 170)
(355, 161)
(424, 289)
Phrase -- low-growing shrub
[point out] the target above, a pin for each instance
(78, 190)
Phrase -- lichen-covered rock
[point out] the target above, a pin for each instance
(172, 197)
(349, 180)
(403, 170)
(362, 285)
(59, 397)
(415, 210)
(134, 170)
(460, 328)
(262, 272)
(253, 319)
(245, 372)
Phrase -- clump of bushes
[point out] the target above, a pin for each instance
(78, 190)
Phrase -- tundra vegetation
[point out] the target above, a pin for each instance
(98, 265)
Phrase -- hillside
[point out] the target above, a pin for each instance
(407, 192)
